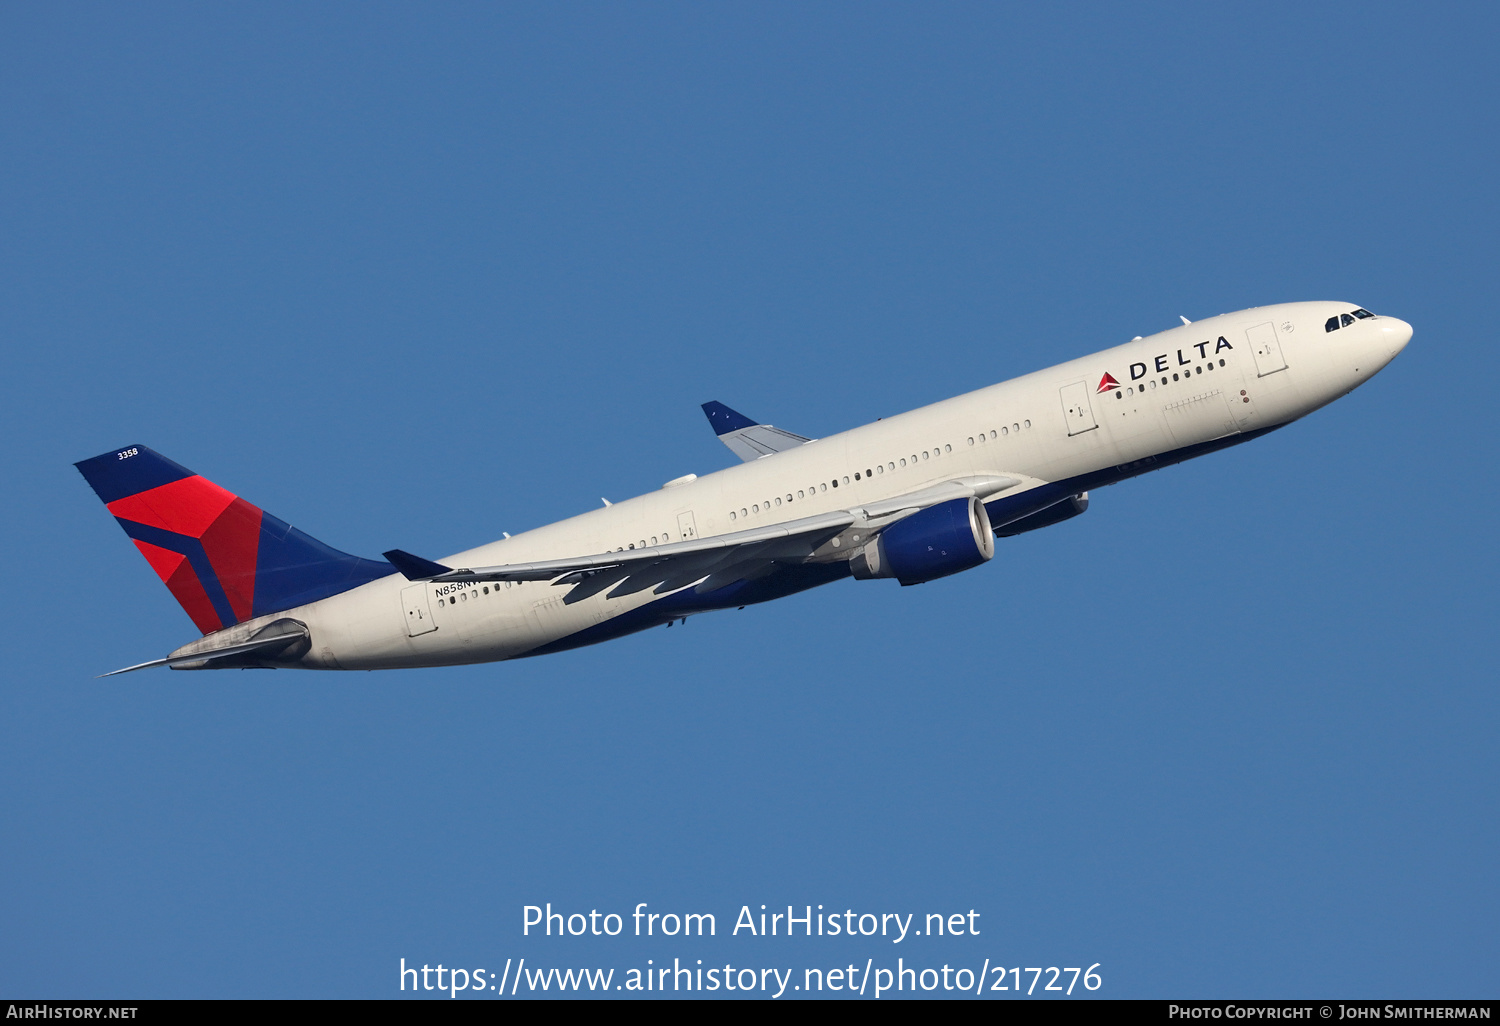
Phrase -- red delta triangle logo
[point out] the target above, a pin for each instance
(1107, 383)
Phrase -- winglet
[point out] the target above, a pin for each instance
(746, 438)
(415, 568)
(725, 420)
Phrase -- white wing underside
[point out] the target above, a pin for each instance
(753, 442)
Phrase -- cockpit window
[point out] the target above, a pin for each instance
(1344, 320)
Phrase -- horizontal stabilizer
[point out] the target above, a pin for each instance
(415, 568)
(744, 437)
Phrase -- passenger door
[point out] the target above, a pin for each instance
(1077, 410)
(1266, 346)
(418, 612)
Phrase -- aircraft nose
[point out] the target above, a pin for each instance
(1395, 333)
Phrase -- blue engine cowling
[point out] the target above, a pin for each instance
(938, 541)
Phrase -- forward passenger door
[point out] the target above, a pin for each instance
(1266, 346)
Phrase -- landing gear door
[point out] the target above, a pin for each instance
(1266, 346)
(418, 612)
(1077, 411)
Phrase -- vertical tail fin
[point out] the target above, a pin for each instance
(223, 559)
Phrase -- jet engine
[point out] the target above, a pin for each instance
(940, 540)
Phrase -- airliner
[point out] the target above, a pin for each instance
(911, 498)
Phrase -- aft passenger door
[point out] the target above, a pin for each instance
(1077, 410)
(418, 612)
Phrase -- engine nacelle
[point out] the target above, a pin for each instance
(940, 540)
(1053, 514)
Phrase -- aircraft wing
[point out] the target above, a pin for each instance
(716, 560)
(745, 438)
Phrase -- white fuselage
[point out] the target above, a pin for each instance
(1213, 381)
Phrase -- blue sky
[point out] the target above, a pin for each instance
(410, 276)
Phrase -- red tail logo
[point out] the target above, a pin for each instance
(1106, 383)
(224, 559)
